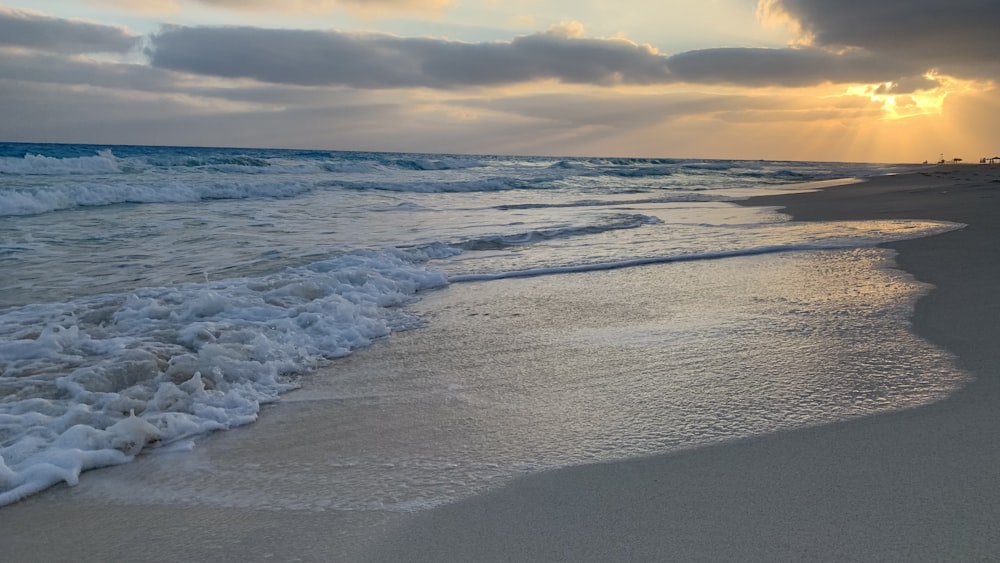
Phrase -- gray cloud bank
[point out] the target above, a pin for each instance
(35, 31)
(850, 41)
(373, 60)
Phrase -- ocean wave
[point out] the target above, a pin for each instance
(104, 162)
(36, 200)
(714, 166)
(191, 161)
(677, 197)
(574, 165)
(626, 168)
(367, 164)
(615, 265)
(437, 163)
(96, 381)
(632, 161)
(611, 223)
(492, 184)
(641, 172)
(135, 159)
(849, 235)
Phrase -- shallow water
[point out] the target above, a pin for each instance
(521, 375)
(151, 295)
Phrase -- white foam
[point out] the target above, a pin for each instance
(411, 185)
(109, 375)
(35, 164)
(32, 201)
(434, 163)
(612, 222)
(614, 265)
(840, 235)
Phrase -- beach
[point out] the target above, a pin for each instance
(914, 485)
(917, 484)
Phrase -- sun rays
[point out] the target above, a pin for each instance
(898, 102)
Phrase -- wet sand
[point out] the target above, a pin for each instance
(917, 485)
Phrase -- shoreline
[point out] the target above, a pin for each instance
(964, 286)
(917, 484)
(913, 484)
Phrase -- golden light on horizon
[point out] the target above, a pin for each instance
(919, 102)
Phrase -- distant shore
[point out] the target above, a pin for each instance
(914, 485)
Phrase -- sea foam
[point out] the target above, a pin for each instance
(32, 201)
(104, 162)
(92, 382)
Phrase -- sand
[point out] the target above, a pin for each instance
(913, 485)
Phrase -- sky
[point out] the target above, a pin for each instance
(851, 80)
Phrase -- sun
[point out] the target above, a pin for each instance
(918, 101)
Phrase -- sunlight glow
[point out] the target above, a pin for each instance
(918, 102)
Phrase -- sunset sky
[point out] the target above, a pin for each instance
(851, 80)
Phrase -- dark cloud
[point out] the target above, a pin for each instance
(34, 66)
(861, 41)
(931, 33)
(386, 61)
(908, 86)
(26, 29)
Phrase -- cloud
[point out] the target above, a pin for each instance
(230, 85)
(19, 28)
(623, 113)
(860, 41)
(41, 67)
(158, 7)
(387, 121)
(563, 54)
(907, 86)
(54, 113)
(326, 5)
(75, 73)
(614, 110)
(361, 7)
(928, 33)
(373, 60)
(792, 67)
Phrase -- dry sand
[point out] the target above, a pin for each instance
(917, 485)
(914, 485)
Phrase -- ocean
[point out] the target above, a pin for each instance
(150, 296)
